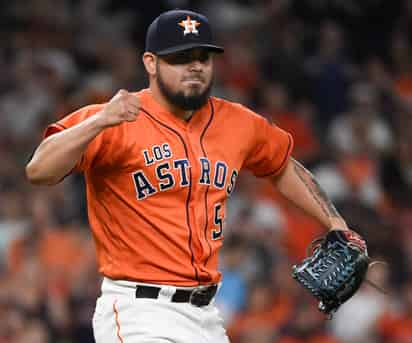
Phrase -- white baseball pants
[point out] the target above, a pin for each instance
(120, 317)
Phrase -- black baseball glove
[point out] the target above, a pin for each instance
(335, 270)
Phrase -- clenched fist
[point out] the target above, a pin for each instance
(124, 106)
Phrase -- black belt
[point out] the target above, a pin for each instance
(197, 296)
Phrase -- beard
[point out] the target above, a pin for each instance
(186, 102)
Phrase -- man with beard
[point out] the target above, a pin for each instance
(159, 165)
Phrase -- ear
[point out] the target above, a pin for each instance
(149, 61)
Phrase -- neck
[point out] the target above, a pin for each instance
(177, 111)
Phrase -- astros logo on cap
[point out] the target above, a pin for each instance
(189, 25)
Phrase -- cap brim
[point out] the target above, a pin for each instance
(214, 48)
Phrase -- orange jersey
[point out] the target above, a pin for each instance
(157, 187)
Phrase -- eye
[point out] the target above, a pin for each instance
(178, 58)
(204, 57)
(186, 57)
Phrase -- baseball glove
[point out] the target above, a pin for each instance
(335, 269)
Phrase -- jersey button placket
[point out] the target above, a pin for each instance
(192, 138)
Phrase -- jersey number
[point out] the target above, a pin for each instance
(218, 220)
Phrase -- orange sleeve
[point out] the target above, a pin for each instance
(271, 148)
(96, 153)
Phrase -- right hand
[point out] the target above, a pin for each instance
(124, 106)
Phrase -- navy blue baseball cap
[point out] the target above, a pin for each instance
(179, 30)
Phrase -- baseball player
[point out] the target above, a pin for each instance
(159, 166)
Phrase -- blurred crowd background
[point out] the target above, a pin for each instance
(337, 74)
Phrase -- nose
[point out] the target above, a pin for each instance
(196, 65)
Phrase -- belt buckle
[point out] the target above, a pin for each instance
(201, 296)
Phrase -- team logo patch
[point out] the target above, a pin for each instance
(190, 26)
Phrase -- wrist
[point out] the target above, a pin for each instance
(338, 224)
(98, 121)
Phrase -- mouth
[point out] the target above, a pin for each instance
(193, 82)
(193, 79)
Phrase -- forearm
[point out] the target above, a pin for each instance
(299, 186)
(57, 155)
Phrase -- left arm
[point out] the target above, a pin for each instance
(299, 186)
